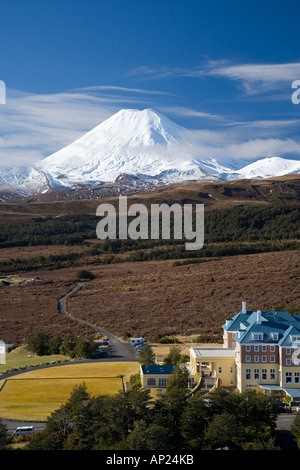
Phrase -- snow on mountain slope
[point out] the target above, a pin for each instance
(143, 143)
(24, 180)
(268, 168)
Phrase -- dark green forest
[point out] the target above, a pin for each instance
(227, 232)
(239, 224)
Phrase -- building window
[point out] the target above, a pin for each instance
(288, 362)
(191, 382)
(256, 358)
(162, 382)
(220, 370)
(272, 374)
(288, 350)
(248, 374)
(264, 374)
(295, 339)
(231, 370)
(275, 336)
(264, 359)
(258, 336)
(297, 377)
(264, 348)
(288, 377)
(272, 348)
(256, 348)
(272, 358)
(256, 374)
(151, 382)
(248, 348)
(248, 358)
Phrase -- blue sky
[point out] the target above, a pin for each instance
(222, 69)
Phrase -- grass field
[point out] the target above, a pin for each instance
(21, 357)
(34, 395)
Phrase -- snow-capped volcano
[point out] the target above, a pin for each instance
(142, 143)
(131, 145)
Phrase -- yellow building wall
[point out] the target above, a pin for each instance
(291, 369)
(244, 384)
(222, 368)
(156, 377)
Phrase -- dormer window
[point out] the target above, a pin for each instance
(275, 336)
(258, 336)
(295, 339)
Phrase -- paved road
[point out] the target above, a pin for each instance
(118, 349)
(12, 425)
(285, 439)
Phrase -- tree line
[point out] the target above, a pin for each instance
(70, 345)
(238, 224)
(131, 420)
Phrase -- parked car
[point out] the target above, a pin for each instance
(100, 353)
(137, 341)
(23, 430)
(103, 343)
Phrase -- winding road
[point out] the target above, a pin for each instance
(118, 350)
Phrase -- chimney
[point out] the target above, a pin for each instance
(258, 317)
(244, 309)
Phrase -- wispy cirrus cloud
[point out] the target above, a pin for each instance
(190, 112)
(33, 126)
(122, 89)
(255, 78)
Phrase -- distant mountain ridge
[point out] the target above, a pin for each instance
(142, 145)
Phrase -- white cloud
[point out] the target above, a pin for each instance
(189, 112)
(34, 126)
(122, 89)
(255, 78)
(233, 146)
(262, 148)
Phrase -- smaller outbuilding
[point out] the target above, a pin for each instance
(156, 375)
